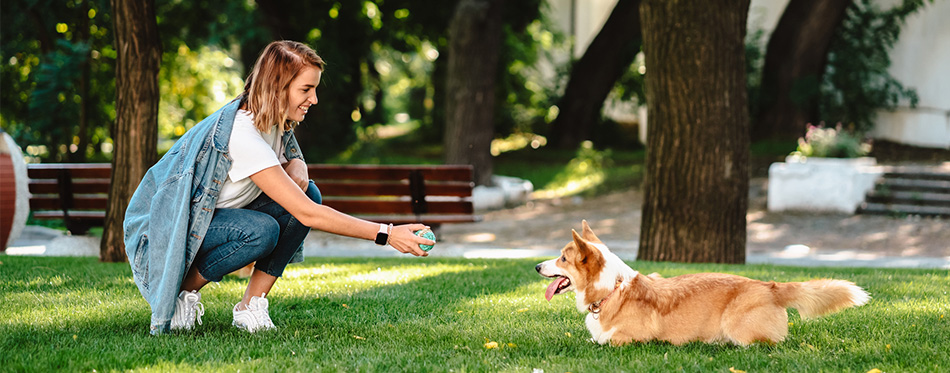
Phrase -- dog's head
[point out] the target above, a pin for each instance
(586, 266)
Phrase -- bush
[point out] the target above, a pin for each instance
(831, 143)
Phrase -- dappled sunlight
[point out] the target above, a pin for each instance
(517, 141)
(404, 275)
(524, 298)
(765, 232)
(482, 237)
(311, 272)
(67, 309)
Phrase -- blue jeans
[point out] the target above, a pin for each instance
(262, 231)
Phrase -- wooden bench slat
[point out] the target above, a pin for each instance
(76, 170)
(425, 219)
(389, 172)
(79, 202)
(369, 206)
(82, 215)
(364, 188)
(87, 186)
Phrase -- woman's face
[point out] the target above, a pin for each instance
(303, 93)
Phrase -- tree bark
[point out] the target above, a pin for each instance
(135, 132)
(594, 75)
(795, 62)
(697, 180)
(474, 45)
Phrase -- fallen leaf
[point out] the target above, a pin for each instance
(358, 337)
(345, 306)
(523, 310)
(512, 345)
(874, 370)
(568, 334)
(734, 370)
(491, 345)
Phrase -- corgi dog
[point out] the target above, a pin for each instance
(626, 306)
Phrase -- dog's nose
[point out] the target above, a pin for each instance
(538, 268)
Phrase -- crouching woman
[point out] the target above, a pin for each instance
(234, 190)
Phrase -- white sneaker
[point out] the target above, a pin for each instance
(188, 308)
(255, 317)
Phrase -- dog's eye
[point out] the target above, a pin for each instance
(563, 259)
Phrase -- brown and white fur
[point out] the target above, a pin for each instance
(627, 306)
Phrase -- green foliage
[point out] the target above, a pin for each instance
(46, 46)
(755, 47)
(193, 85)
(437, 314)
(856, 81)
(525, 90)
(832, 143)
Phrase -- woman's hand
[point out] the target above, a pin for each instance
(297, 170)
(404, 240)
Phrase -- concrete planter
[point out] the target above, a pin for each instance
(821, 184)
(14, 191)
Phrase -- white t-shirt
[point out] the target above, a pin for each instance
(251, 151)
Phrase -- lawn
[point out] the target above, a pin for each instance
(398, 314)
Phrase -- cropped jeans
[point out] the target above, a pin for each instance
(262, 231)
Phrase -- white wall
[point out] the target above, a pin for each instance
(921, 59)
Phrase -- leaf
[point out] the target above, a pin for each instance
(734, 370)
(491, 345)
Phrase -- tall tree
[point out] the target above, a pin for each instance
(474, 44)
(795, 61)
(697, 181)
(592, 77)
(135, 132)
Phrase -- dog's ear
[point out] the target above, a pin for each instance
(584, 251)
(589, 233)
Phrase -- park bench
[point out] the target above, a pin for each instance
(433, 195)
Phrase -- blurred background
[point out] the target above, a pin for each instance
(569, 109)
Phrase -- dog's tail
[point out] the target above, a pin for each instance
(819, 297)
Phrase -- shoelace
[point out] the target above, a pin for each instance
(260, 313)
(198, 309)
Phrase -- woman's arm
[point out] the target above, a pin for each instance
(275, 182)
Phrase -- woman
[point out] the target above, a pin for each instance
(234, 190)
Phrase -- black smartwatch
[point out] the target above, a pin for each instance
(382, 237)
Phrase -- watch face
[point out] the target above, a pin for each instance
(381, 238)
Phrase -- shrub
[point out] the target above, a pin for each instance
(831, 143)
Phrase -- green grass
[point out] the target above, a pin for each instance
(435, 314)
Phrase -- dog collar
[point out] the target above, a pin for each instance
(595, 307)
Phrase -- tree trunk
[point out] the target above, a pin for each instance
(594, 75)
(135, 132)
(474, 44)
(697, 180)
(794, 65)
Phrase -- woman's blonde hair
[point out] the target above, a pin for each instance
(266, 88)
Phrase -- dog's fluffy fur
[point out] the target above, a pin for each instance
(627, 306)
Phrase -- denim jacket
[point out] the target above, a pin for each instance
(171, 209)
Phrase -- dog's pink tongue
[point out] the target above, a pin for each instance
(553, 287)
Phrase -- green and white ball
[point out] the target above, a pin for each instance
(425, 233)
